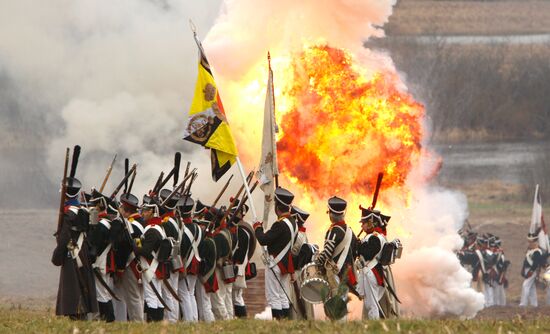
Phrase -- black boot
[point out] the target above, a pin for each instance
(285, 313)
(240, 311)
(109, 311)
(276, 314)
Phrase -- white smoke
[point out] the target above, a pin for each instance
(113, 76)
(429, 278)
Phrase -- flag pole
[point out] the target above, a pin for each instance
(247, 189)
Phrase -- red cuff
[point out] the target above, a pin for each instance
(257, 224)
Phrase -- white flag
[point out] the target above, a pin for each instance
(268, 163)
(537, 221)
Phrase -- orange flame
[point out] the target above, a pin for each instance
(342, 129)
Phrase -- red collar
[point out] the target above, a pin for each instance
(169, 214)
(340, 223)
(187, 220)
(135, 216)
(154, 221)
(302, 229)
(380, 230)
(284, 215)
(102, 214)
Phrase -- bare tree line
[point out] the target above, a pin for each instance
(498, 90)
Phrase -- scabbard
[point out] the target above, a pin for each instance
(171, 290)
(299, 300)
(105, 285)
(157, 293)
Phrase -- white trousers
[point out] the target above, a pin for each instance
(529, 292)
(274, 293)
(204, 307)
(149, 295)
(103, 296)
(238, 297)
(488, 293)
(219, 299)
(186, 292)
(500, 295)
(368, 288)
(171, 301)
(133, 295)
(119, 306)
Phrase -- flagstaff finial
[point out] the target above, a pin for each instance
(192, 26)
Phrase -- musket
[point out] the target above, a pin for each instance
(375, 195)
(117, 189)
(222, 191)
(109, 170)
(376, 190)
(232, 201)
(177, 161)
(74, 163)
(63, 191)
(159, 180)
(132, 182)
(126, 168)
(179, 187)
(186, 172)
(241, 203)
(169, 176)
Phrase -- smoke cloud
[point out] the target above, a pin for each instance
(114, 77)
(118, 76)
(429, 278)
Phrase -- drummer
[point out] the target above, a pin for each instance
(340, 245)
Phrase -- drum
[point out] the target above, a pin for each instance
(314, 283)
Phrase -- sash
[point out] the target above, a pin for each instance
(149, 271)
(194, 252)
(343, 248)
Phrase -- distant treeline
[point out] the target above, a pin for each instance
(477, 91)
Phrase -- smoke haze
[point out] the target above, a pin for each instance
(118, 76)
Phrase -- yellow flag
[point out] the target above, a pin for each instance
(207, 124)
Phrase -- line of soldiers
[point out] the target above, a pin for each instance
(168, 257)
(483, 256)
(346, 264)
(173, 258)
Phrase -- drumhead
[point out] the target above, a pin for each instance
(311, 290)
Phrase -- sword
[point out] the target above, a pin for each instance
(171, 289)
(104, 284)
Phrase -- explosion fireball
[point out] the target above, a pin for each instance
(341, 128)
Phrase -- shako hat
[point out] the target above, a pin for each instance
(533, 236)
(337, 205)
(284, 197)
(172, 202)
(112, 206)
(301, 215)
(236, 203)
(185, 205)
(200, 208)
(73, 186)
(97, 197)
(129, 200)
(368, 215)
(148, 202)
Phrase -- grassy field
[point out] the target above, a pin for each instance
(27, 321)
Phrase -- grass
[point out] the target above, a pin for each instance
(29, 321)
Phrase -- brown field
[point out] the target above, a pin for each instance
(412, 17)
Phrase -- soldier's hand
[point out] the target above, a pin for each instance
(257, 224)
